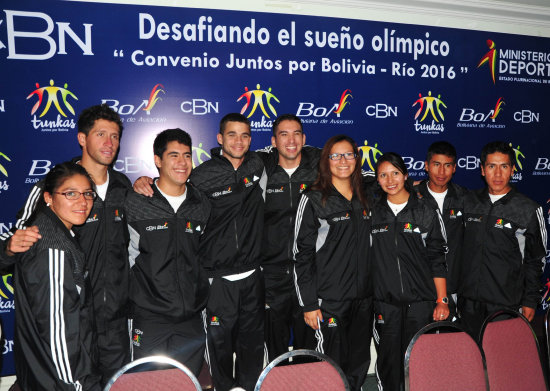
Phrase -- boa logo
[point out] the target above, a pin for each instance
(130, 109)
(310, 113)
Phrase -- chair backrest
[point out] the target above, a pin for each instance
(449, 360)
(321, 375)
(547, 335)
(177, 378)
(512, 353)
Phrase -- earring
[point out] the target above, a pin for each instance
(47, 204)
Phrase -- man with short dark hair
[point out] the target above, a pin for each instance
(104, 236)
(234, 182)
(168, 288)
(441, 193)
(291, 168)
(504, 244)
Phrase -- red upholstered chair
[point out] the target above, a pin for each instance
(446, 361)
(512, 353)
(320, 375)
(178, 378)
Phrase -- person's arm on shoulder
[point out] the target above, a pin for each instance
(143, 185)
(20, 238)
(305, 238)
(533, 263)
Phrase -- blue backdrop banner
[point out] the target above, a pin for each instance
(392, 87)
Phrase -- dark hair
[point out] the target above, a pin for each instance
(441, 148)
(324, 177)
(168, 135)
(54, 180)
(497, 146)
(397, 161)
(286, 117)
(233, 117)
(87, 118)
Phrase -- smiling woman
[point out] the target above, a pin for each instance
(53, 335)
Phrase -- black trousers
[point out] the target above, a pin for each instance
(473, 314)
(113, 348)
(184, 341)
(284, 318)
(395, 325)
(235, 321)
(345, 336)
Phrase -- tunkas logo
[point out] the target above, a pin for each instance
(157, 227)
(262, 99)
(49, 95)
(369, 155)
(432, 106)
(471, 118)
(45, 39)
(7, 302)
(131, 112)
(310, 113)
(4, 184)
(517, 176)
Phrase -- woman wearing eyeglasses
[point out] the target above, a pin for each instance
(331, 250)
(408, 252)
(54, 343)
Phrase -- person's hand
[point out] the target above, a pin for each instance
(22, 240)
(528, 312)
(142, 185)
(441, 312)
(311, 318)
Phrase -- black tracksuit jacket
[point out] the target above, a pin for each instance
(282, 197)
(453, 219)
(232, 241)
(54, 338)
(166, 275)
(408, 252)
(504, 249)
(104, 240)
(331, 250)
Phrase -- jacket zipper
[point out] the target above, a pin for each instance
(397, 256)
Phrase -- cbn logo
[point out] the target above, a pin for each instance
(368, 152)
(257, 98)
(51, 93)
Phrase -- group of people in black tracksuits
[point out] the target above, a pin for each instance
(251, 252)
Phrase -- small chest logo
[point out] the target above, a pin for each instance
(157, 227)
(118, 216)
(341, 218)
(379, 319)
(453, 214)
(380, 230)
(303, 187)
(280, 190)
(189, 227)
(332, 322)
(221, 193)
(92, 219)
(501, 225)
(214, 321)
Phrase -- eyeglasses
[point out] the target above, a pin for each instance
(75, 195)
(338, 156)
